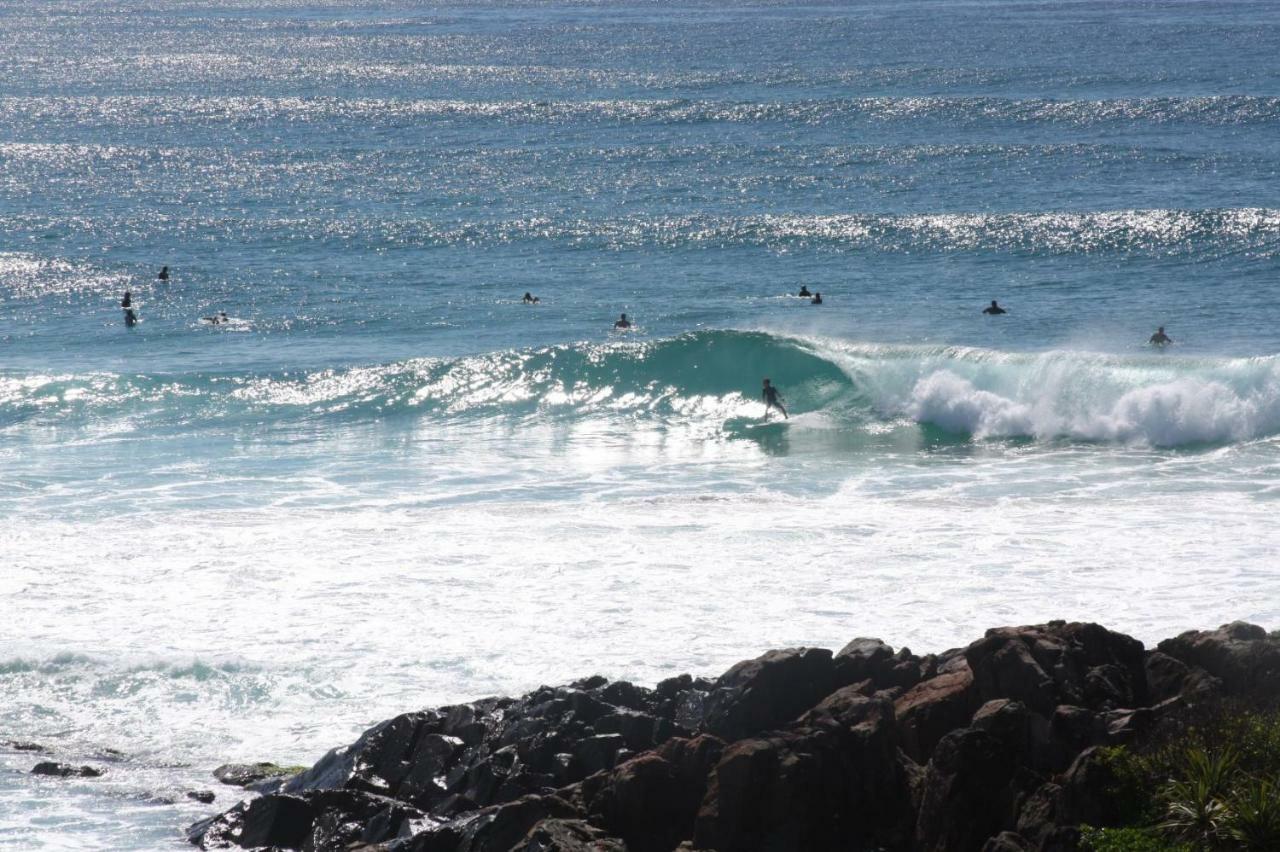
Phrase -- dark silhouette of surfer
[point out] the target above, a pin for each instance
(1160, 338)
(622, 322)
(219, 318)
(772, 399)
(817, 299)
(530, 299)
(994, 309)
(127, 301)
(804, 291)
(164, 273)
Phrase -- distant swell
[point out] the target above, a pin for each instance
(1254, 231)
(709, 379)
(948, 110)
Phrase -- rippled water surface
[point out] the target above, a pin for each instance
(385, 483)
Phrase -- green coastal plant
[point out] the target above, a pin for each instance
(1197, 803)
(1254, 819)
(1211, 786)
(1127, 840)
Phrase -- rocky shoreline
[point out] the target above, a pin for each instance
(996, 747)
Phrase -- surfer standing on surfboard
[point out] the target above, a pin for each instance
(772, 399)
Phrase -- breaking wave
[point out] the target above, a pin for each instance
(712, 378)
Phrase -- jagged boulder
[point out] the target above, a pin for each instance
(568, 835)
(651, 801)
(873, 660)
(1045, 665)
(970, 792)
(459, 758)
(1169, 678)
(319, 821)
(499, 828)
(829, 781)
(66, 770)
(932, 708)
(1242, 656)
(769, 691)
(259, 777)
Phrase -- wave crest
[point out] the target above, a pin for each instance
(710, 378)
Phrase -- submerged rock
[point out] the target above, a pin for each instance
(990, 747)
(66, 770)
(253, 775)
(18, 745)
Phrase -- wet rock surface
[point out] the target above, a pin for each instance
(66, 770)
(990, 747)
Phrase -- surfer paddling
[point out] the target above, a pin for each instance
(622, 323)
(1160, 338)
(772, 399)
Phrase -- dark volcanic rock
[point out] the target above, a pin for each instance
(494, 829)
(1008, 841)
(1168, 677)
(66, 770)
(992, 747)
(931, 709)
(829, 781)
(651, 801)
(567, 835)
(460, 758)
(249, 774)
(769, 691)
(969, 792)
(18, 745)
(323, 821)
(1241, 655)
(1059, 663)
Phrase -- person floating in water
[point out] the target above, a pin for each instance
(1160, 338)
(804, 292)
(994, 309)
(622, 322)
(127, 301)
(219, 317)
(530, 299)
(816, 300)
(164, 273)
(772, 399)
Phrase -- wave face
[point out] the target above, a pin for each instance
(711, 378)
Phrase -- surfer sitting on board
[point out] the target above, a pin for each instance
(994, 309)
(163, 274)
(1160, 338)
(530, 299)
(772, 399)
(127, 301)
(622, 322)
(804, 292)
(816, 300)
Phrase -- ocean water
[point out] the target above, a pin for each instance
(388, 484)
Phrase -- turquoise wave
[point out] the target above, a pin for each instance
(709, 376)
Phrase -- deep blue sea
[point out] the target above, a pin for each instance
(385, 483)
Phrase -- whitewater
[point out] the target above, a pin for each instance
(386, 483)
